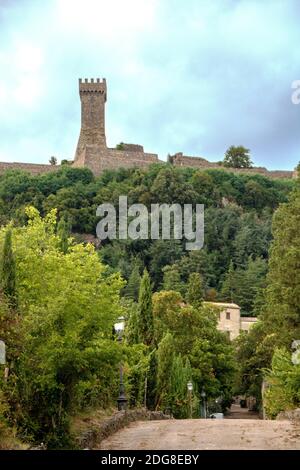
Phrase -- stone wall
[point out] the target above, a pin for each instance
(181, 160)
(247, 323)
(291, 415)
(91, 438)
(98, 159)
(33, 168)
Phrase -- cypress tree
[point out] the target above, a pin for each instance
(172, 280)
(151, 381)
(63, 231)
(228, 286)
(165, 356)
(145, 314)
(195, 289)
(133, 285)
(9, 270)
(131, 332)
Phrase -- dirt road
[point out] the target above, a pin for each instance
(199, 434)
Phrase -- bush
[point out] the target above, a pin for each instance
(283, 391)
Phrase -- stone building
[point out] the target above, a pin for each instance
(230, 320)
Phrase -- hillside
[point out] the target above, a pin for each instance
(238, 213)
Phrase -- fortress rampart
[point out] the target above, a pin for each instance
(33, 168)
(100, 159)
(181, 160)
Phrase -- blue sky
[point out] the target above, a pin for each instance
(194, 76)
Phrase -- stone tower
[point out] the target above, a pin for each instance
(93, 97)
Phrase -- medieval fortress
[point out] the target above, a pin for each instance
(93, 153)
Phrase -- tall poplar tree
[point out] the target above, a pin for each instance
(133, 285)
(228, 287)
(145, 314)
(9, 270)
(64, 231)
(195, 289)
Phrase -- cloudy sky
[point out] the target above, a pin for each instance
(183, 75)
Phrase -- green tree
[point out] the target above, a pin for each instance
(145, 315)
(53, 161)
(229, 284)
(195, 291)
(281, 312)
(151, 384)
(181, 374)
(64, 232)
(120, 146)
(132, 332)
(243, 286)
(278, 306)
(172, 280)
(68, 307)
(9, 270)
(133, 285)
(253, 237)
(237, 157)
(253, 353)
(162, 253)
(195, 336)
(283, 379)
(165, 355)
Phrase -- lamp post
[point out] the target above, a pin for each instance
(203, 404)
(122, 400)
(190, 391)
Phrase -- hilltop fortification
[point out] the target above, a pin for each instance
(93, 153)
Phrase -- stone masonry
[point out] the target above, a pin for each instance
(92, 151)
(93, 98)
(98, 159)
(181, 160)
(32, 168)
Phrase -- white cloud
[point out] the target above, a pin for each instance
(110, 19)
(26, 57)
(27, 91)
(194, 76)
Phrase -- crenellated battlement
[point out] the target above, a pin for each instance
(93, 97)
(97, 85)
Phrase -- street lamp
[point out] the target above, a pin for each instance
(190, 391)
(122, 400)
(203, 403)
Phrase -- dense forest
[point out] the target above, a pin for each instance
(60, 297)
(238, 214)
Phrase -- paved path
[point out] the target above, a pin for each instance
(199, 434)
(236, 412)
